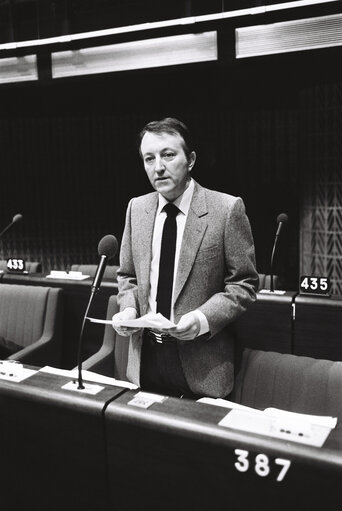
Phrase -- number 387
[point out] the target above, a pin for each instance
(262, 465)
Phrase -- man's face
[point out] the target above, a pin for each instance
(166, 164)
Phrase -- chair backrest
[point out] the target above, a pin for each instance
(31, 321)
(22, 312)
(90, 269)
(290, 382)
(30, 266)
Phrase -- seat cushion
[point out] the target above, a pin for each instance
(7, 348)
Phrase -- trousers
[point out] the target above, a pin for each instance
(161, 370)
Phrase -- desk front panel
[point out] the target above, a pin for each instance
(318, 327)
(52, 446)
(173, 455)
(267, 324)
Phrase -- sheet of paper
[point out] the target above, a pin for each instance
(90, 376)
(19, 376)
(151, 320)
(320, 420)
(297, 431)
(227, 404)
(67, 276)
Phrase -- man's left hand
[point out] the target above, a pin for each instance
(187, 329)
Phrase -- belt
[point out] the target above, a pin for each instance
(159, 337)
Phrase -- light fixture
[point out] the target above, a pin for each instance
(289, 36)
(143, 54)
(18, 69)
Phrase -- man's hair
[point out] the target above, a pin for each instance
(172, 127)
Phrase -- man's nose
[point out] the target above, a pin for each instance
(159, 166)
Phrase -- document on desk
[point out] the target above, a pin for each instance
(296, 427)
(151, 320)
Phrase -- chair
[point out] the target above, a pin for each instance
(31, 324)
(90, 269)
(30, 266)
(290, 382)
(111, 359)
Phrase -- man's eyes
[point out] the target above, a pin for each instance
(149, 159)
(169, 155)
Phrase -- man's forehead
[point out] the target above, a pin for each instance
(157, 140)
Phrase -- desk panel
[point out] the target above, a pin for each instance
(267, 324)
(76, 295)
(173, 455)
(52, 446)
(318, 327)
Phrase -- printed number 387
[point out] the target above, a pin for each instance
(262, 465)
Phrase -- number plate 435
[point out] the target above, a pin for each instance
(311, 285)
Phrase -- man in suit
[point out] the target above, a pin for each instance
(213, 272)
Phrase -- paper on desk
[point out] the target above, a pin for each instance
(150, 320)
(227, 404)
(88, 375)
(319, 420)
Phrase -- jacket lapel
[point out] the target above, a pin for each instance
(146, 224)
(195, 227)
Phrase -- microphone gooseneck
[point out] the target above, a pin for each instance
(107, 248)
(282, 218)
(15, 219)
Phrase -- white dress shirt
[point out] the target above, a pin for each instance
(183, 204)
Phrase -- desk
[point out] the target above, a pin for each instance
(268, 323)
(76, 296)
(52, 446)
(173, 455)
(318, 327)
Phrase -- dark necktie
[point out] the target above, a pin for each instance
(167, 260)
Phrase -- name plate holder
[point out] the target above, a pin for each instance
(314, 286)
(16, 265)
(284, 428)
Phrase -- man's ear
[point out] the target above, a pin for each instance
(192, 159)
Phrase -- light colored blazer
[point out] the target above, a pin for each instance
(216, 274)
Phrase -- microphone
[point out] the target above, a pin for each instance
(15, 219)
(107, 248)
(282, 218)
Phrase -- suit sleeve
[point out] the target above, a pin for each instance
(241, 278)
(127, 280)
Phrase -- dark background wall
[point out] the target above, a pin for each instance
(69, 162)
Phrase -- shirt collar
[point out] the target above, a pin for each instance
(182, 202)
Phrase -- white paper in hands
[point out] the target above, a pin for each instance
(150, 320)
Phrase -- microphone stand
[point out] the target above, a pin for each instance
(94, 288)
(272, 259)
(80, 342)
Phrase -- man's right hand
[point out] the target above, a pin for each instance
(128, 313)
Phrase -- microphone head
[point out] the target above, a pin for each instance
(282, 218)
(108, 246)
(17, 218)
